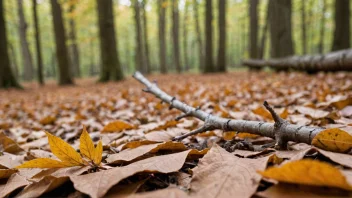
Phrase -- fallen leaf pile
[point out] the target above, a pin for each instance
(114, 140)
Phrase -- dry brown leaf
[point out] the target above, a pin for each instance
(313, 113)
(6, 173)
(47, 120)
(8, 145)
(333, 139)
(167, 192)
(221, 174)
(14, 182)
(8, 160)
(117, 126)
(124, 191)
(308, 172)
(97, 184)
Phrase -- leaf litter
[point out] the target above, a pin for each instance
(115, 140)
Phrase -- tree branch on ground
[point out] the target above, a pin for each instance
(282, 131)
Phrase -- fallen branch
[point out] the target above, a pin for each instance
(334, 61)
(282, 131)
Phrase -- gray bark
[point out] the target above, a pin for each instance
(162, 38)
(175, 36)
(222, 36)
(342, 30)
(253, 28)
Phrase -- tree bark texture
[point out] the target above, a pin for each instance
(140, 64)
(175, 35)
(162, 36)
(253, 28)
(199, 36)
(222, 36)
(37, 44)
(74, 51)
(111, 69)
(185, 37)
(264, 35)
(209, 67)
(7, 79)
(27, 60)
(60, 42)
(280, 28)
(145, 38)
(342, 30)
(334, 61)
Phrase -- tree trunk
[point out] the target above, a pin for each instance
(37, 44)
(253, 31)
(334, 61)
(185, 37)
(280, 28)
(342, 25)
(175, 35)
(303, 24)
(7, 78)
(27, 58)
(322, 28)
(111, 69)
(264, 35)
(140, 64)
(199, 36)
(162, 38)
(222, 36)
(75, 62)
(13, 61)
(60, 41)
(209, 67)
(146, 43)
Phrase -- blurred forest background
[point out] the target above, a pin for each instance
(63, 39)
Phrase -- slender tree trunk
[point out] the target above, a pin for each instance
(222, 36)
(145, 34)
(209, 67)
(53, 64)
(13, 61)
(75, 62)
(175, 35)
(37, 44)
(264, 34)
(111, 68)
(322, 28)
(162, 38)
(253, 31)
(140, 64)
(303, 24)
(342, 25)
(7, 78)
(281, 28)
(27, 58)
(199, 36)
(60, 41)
(92, 59)
(185, 37)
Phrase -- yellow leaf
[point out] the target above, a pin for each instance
(44, 163)
(86, 146)
(117, 126)
(9, 145)
(98, 153)
(47, 120)
(308, 172)
(6, 173)
(333, 139)
(262, 112)
(64, 151)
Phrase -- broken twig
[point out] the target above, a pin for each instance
(282, 131)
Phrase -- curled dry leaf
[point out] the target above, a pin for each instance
(117, 126)
(6, 173)
(8, 145)
(333, 139)
(308, 172)
(87, 148)
(14, 182)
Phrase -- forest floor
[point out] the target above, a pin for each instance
(136, 130)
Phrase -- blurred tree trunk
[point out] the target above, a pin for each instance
(37, 44)
(264, 34)
(199, 36)
(185, 37)
(146, 43)
(209, 67)
(13, 60)
(253, 31)
(175, 35)
(162, 39)
(75, 62)
(342, 25)
(111, 68)
(303, 24)
(27, 58)
(92, 60)
(222, 36)
(140, 64)
(280, 28)
(53, 64)
(60, 42)
(7, 78)
(322, 28)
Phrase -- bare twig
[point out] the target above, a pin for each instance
(281, 130)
